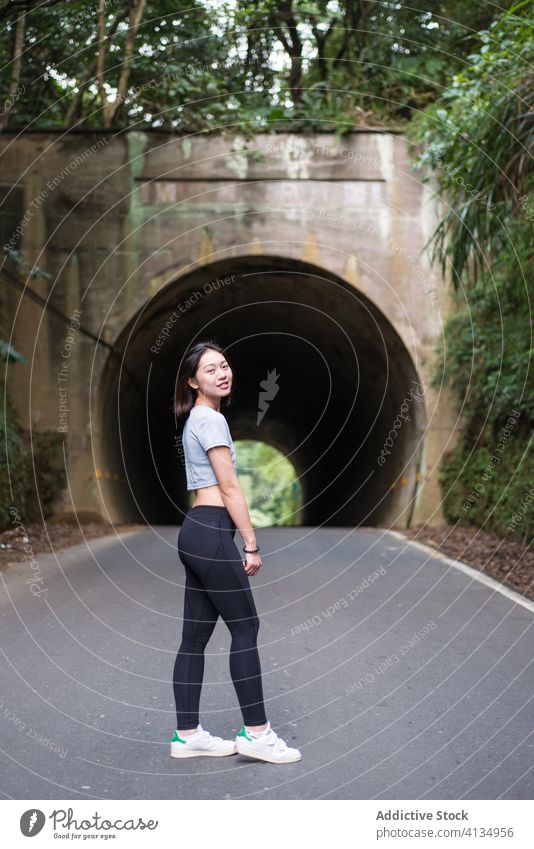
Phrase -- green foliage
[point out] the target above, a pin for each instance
(17, 260)
(480, 137)
(29, 487)
(268, 482)
(9, 354)
(489, 363)
(202, 66)
(14, 468)
(50, 477)
(488, 349)
(485, 493)
(171, 80)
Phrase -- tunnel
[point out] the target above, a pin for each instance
(338, 389)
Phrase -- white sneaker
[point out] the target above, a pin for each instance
(269, 747)
(201, 743)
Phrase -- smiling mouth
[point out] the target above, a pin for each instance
(223, 385)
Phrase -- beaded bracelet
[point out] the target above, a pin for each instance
(251, 551)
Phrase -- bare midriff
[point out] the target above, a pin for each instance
(210, 495)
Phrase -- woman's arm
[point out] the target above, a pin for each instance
(232, 493)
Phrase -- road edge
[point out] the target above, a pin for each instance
(473, 573)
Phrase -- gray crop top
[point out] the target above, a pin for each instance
(204, 428)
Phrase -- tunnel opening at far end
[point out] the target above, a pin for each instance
(320, 375)
(270, 484)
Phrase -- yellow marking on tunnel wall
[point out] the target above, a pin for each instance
(110, 476)
(311, 249)
(256, 247)
(156, 283)
(206, 248)
(402, 481)
(352, 272)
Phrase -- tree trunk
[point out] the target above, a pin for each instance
(111, 109)
(101, 58)
(89, 76)
(293, 47)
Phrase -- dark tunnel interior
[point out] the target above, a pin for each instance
(344, 378)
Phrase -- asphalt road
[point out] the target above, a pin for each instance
(397, 675)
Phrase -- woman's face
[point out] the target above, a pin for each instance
(213, 375)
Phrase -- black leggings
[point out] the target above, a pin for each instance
(215, 583)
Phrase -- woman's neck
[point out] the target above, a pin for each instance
(203, 404)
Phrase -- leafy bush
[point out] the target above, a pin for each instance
(487, 352)
(20, 486)
(479, 137)
(49, 472)
(493, 495)
(14, 467)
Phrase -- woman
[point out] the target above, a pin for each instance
(216, 578)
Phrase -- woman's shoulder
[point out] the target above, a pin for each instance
(201, 410)
(201, 416)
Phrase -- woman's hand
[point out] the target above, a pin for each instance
(252, 563)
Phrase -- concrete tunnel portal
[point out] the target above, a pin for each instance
(347, 413)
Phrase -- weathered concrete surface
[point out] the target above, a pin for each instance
(321, 240)
(397, 676)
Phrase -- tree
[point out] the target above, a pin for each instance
(137, 8)
(329, 64)
(480, 138)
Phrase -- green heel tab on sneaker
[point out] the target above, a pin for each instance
(243, 733)
(177, 739)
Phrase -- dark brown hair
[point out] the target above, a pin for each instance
(185, 395)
